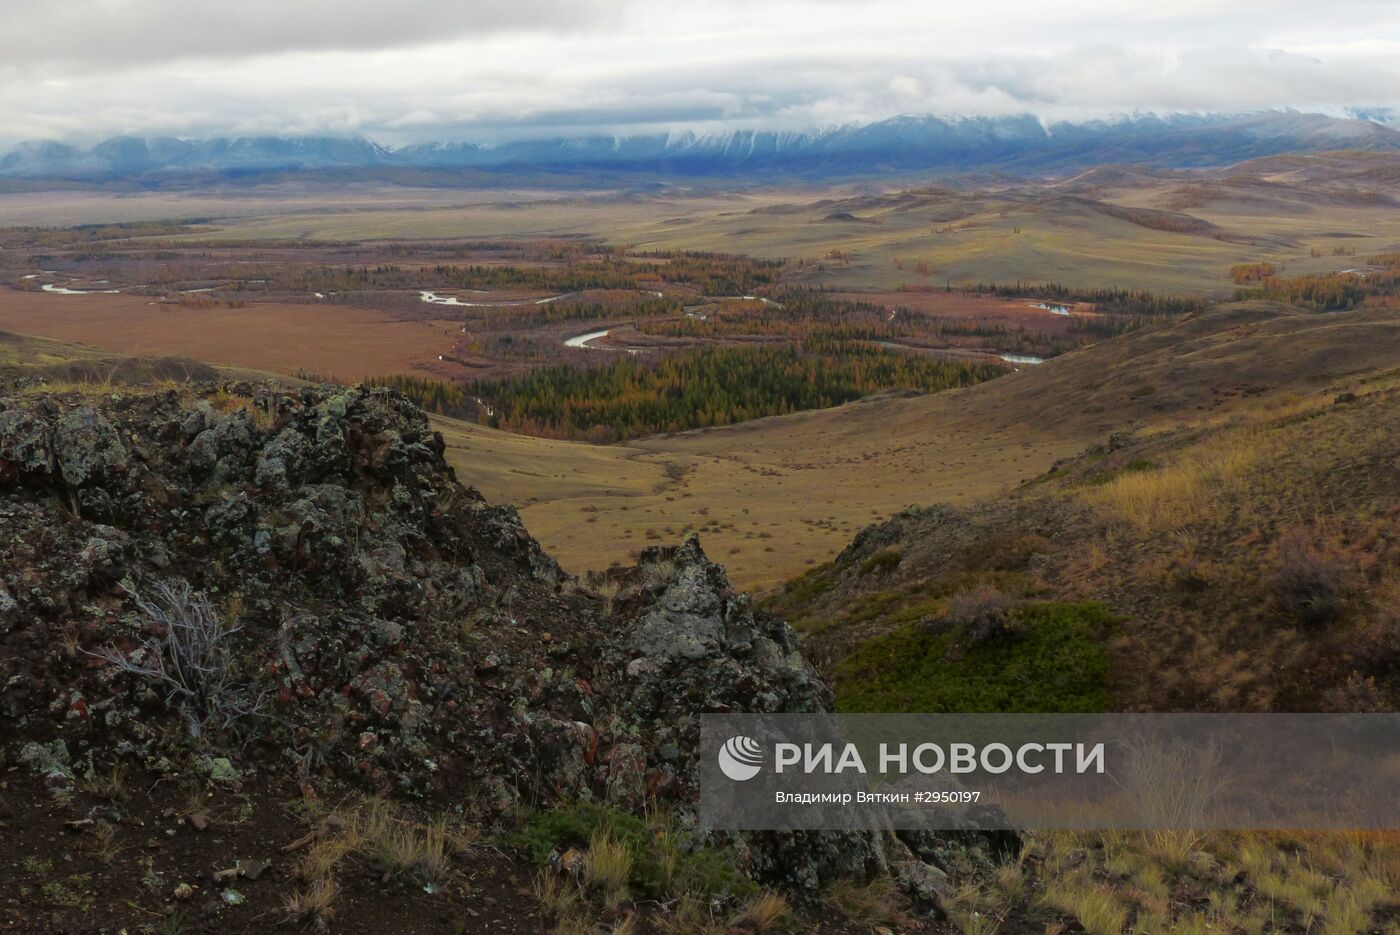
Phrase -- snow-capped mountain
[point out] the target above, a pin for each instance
(1022, 144)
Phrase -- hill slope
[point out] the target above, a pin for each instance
(1245, 555)
(774, 495)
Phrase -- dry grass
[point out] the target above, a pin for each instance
(1198, 482)
(607, 869)
(1094, 906)
(324, 856)
(558, 895)
(404, 847)
(314, 904)
(769, 497)
(868, 904)
(608, 589)
(766, 913)
(663, 572)
(370, 835)
(1119, 883)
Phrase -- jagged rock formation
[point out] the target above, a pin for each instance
(378, 625)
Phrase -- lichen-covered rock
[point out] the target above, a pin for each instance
(390, 630)
(283, 460)
(86, 446)
(927, 886)
(9, 608)
(24, 445)
(700, 647)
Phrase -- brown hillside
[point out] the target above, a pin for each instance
(775, 495)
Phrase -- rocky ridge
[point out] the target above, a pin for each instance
(381, 627)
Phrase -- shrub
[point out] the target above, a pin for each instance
(983, 614)
(1312, 583)
(881, 562)
(191, 658)
(1059, 663)
(658, 865)
(1007, 552)
(315, 904)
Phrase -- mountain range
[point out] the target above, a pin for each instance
(1017, 145)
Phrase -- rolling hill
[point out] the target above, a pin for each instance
(773, 496)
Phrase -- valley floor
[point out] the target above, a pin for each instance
(769, 498)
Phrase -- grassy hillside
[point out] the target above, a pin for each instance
(1251, 557)
(1167, 231)
(23, 357)
(775, 496)
(1236, 549)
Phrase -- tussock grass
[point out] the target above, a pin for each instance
(556, 895)
(1093, 905)
(403, 847)
(663, 572)
(321, 858)
(369, 835)
(1128, 882)
(868, 904)
(608, 590)
(607, 869)
(315, 904)
(766, 913)
(110, 786)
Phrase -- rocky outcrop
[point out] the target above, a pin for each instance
(386, 628)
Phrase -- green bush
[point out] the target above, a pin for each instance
(1056, 662)
(881, 562)
(799, 594)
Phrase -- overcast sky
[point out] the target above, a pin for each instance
(411, 70)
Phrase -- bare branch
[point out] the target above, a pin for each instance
(191, 657)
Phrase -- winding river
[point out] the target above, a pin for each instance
(60, 290)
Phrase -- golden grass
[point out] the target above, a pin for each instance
(405, 847)
(766, 913)
(768, 499)
(868, 904)
(1122, 882)
(1093, 905)
(557, 895)
(324, 856)
(314, 903)
(607, 869)
(1197, 482)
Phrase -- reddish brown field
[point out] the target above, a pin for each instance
(330, 340)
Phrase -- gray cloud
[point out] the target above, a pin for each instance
(499, 69)
(92, 35)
